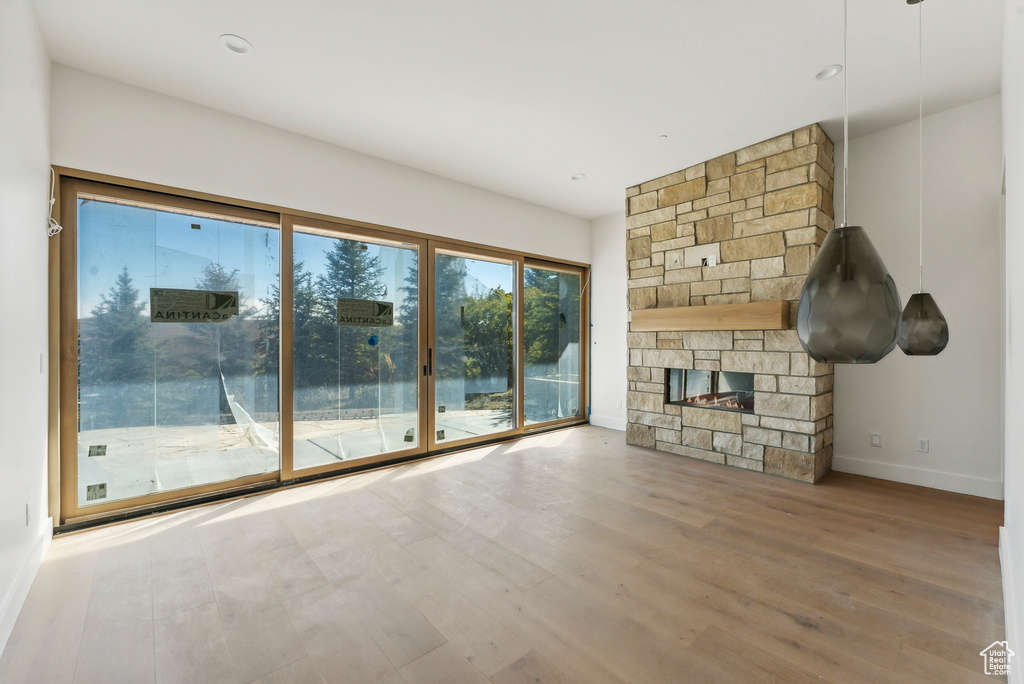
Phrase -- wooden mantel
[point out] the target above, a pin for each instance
(753, 316)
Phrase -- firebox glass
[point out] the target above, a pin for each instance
(712, 389)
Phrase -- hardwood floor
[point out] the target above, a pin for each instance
(565, 557)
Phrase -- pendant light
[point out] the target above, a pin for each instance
(925, 332)
(849, 308)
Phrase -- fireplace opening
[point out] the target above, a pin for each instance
(721, 390)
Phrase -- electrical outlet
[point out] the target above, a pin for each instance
(876, 439)
(922, 445)
(618, 404)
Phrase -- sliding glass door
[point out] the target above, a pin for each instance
(208, 347)
(355, 347)
(175, 388)
(551, 331)
(474, 357)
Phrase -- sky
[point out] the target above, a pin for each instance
(162, 249)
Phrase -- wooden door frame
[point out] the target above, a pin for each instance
(484, 254)
(343, 230)
(584, 389)
(71, 510)
(63, 409)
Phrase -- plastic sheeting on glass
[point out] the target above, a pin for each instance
(171, 405)
(551, 313)
(355, 378)
(474, 360)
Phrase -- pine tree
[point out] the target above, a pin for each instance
(232, 339)
(351, 273)
(116, 360)
(404, 339)
(540, 314)
(312, 340)
(449, 307)
(226, 347)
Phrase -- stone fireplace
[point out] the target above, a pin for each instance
(739, 229)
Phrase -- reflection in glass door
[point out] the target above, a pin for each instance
(355, 347)
(188, 329)
(551, 330)
(474, 357)
(175, 385)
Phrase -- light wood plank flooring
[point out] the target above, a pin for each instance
(565, 557)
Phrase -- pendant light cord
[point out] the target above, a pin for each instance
(846, 117)
(920, 148)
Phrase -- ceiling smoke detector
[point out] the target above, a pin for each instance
(237, 44)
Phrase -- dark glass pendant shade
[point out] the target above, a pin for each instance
(849, 307)
(924, 332)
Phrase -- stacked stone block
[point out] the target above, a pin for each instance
(761, 214)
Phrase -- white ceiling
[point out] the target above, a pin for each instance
(515, 96)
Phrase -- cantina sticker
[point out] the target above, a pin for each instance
(191, 306)
(365, 312)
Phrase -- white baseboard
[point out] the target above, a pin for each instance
(15, 598)
(1009, 605)
(950, 482)
(612, 422)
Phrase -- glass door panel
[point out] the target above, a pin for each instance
(355, 347)
(177, 384)
(474, 357)
(551, 330)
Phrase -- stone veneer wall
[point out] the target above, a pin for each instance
(762, 212)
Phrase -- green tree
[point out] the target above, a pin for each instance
(489, 330)
(551, 314)
(231, 342)
(541, 318)
(116, 360)
(310, 350)
(225, 348)
(352, 272)
(403, 338)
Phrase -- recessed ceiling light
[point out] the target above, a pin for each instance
(578, 176)
(237, 44)
(828, 72)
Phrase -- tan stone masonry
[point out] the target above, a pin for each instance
(761, 213)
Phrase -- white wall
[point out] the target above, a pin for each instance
(109, 127)
(608, 354)
(24, 190)
(1011, 543)
(952, 399)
